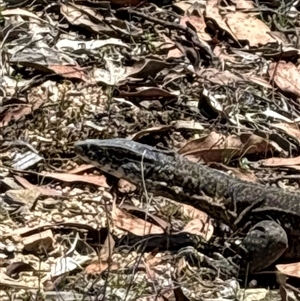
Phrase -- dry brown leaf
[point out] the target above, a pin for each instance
(286, 77)
(145, 132)
(18, 111)
(107, 248)
(146, 67)
(200, 223)
(290, 129)
(198, 22)
(25, 196)
(69, 71)
(245, 175)
(258, 80)
(147, 93)
(97, 267)
(198, 227)
(126, 2)
(42, 190)
(247, 27)
(275, 162)
(8, 282)
(218, 77)
(81, 168)
(132, 224)
(66, 177)
(217, 147)
(21, 12)
(163, 224)
(212, 12)
(42, 242)
(243, 4)
(15, 268)
(291, 269)
(125, 186)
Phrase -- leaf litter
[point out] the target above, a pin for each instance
(216, 81)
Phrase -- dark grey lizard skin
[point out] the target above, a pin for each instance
(275, 213)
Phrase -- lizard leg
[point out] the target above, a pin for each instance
(265, 242)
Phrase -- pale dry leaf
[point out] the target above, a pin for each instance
(7, 282)
(147, 67)
(85, 17)
(64, 265)
(21, 12)
(24, 196)
(188, 125)
(247, 27)
(286, 77)
(174, 53)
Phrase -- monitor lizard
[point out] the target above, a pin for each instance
(274, 213)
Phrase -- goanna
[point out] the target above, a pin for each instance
(273, 212)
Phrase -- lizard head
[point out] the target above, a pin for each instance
(121, 158)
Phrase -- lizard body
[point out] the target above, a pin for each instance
(223, 197)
